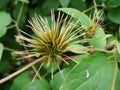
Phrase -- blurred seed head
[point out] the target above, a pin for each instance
(95, 24)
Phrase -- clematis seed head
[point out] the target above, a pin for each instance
(50, 41)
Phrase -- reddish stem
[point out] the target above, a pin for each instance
(64, 58)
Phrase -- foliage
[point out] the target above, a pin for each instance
(81, 45)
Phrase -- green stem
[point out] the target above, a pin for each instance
(106, 51)
(36, 73)
(20, 13)
(12, 26)
(114, 77)
(9, 49)
(85, 11)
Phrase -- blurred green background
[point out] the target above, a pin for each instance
(19, 11)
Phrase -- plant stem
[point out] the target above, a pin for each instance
(36, 72)
(9, 49)
(85, 11)
(19, 71)
(12, 26)
(20, 13)
(95, 6)
(114, 77)
(115, 72)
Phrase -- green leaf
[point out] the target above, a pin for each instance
(59, 78)
(4, 66)
(52, 67)
(114, 15)
(37, 85)
(117, 55)
(21, 81)
(84, 19)
(93, 73)
(1, 50)
(78, 4)
(99, 40)
(5, 18)
(118, 46)
(112, 3)
(3, 31)
(117, 43)
(76, 48)
(24, 1)
(117, 85)
(64, 3)
(3, 3)
(48, 5)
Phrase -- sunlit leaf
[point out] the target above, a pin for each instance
(117, 43)
(3, 31)
(84, 19)
(76, 48)
(117, 85)
(118, 46)
(99, 40)
(90, 74)
(58, 79)
(37, 85)
(5, 18)
(21, 81)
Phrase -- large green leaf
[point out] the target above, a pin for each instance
(21, 81)
(37, 85)
(58, 79)
(1, 50)
(112, 3)
(117, 85)
(84, 19)
(99, 40)
(114, 15)
(3, 30)
(24, 82)
(5, 18)
(93, 73)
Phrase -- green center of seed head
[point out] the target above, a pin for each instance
(53, 50)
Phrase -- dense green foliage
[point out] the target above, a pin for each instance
(96, 63)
